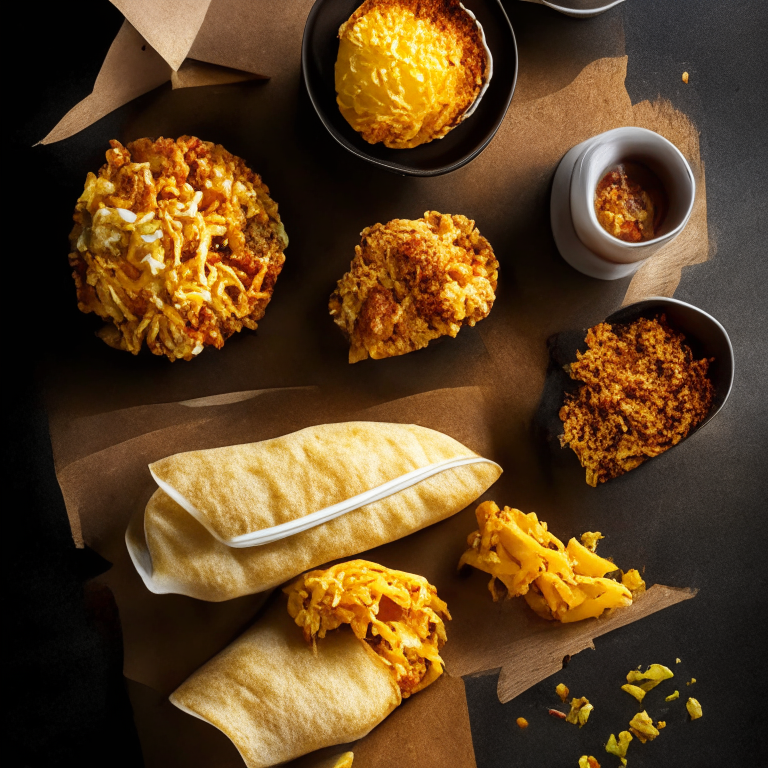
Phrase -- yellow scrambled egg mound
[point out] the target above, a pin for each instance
(397, 614)
(524, 558)
(407, 70)
(176, 244)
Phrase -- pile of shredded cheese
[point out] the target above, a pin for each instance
(558, 582)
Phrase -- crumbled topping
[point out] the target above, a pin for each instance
(694, 708)
(643, 393)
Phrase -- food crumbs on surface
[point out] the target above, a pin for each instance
(521, 722)
(563, 583)
(685, 77)
(692, 681)
(633, 581)
(619, 748)
(673, 696)
(345, 760)
(580, 710)
(557, 713)
(677, 661)
(642, 393)
(562, 691)
(694, 708)
(590, 539)
(661, 724)
(655, 674)
(633, 690)
(642, 726)
(587, 761)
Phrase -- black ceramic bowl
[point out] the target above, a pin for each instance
(465, 142)
(703, 334)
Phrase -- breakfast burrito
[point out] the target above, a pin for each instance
(367, 637)
(238, 520)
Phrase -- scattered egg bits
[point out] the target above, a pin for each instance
(409, 71)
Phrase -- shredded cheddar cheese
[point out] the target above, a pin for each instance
(566, 583)
(397, 614)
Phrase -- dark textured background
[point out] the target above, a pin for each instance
(697, 518)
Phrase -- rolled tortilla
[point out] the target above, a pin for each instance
(276, 699)
(186, 540)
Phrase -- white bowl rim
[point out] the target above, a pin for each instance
(582, 12)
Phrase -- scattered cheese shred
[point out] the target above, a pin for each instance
(655, 674)
(673, 696)
(562, 691)
(694, 708)
(642, 726)
(633, 690)
(521, 722)
(619, 748)
(580, 710)
(587, 761)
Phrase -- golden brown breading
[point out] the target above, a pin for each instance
(176, 243)
(412, 281)
(643, 393)
(408, 70)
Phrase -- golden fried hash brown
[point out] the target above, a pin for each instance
(412, 281)
(564, 583)
(408, 70)
(643, 393)
(397, 614)
(176, 243)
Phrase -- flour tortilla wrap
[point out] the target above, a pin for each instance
(185, 541)
(276, 699)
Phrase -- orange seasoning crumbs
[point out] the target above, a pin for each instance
(623, 208)
(643, 393)
(521, 722)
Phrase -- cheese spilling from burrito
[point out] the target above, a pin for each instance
(398, 615)
(186, 539)
(565, 583)
(369, 637)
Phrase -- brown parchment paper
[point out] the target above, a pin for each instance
(110, 414)
(226, 41)
(166, 637)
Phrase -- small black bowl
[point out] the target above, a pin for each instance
(320, 47)
(703, 334)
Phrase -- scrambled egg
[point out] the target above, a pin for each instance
(408, 70)
(413, 281)
(177, 244)
(398, 615)
(524, 558)
(642, 393)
